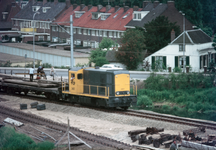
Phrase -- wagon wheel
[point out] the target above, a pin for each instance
(10, 90)
(54, 97)
(125, 108)
(26, 92)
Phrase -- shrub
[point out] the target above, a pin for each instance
(144, 101)
(9, 139)
(177, 69)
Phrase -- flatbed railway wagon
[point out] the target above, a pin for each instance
(97, 87)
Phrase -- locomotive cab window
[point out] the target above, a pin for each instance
(72, 76)
(79, 76)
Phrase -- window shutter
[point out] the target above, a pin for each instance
(153, 62)
(200, 61)
(164, 62)
(176, 61)
(215, 58)
(204, 61)
(187, 60)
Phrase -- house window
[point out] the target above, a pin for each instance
(110, 34)
(74, 31)
(105, 33)
(68, 29)
(79, 31)
(96, 32)
(181, 47)
(105, 16)
(60, 29)
(115, 35)
(40, 38)
(48, 38)
(78, 42)
(89, 32)
(85, 43)
(35, 8)
(92, 44)
(182, 61)
(42, 25)
(100, 33)
(85, 31)
(53, 28)
(159, 61)
(118, 34)
(93, 32)
(89, 43)
(137, 16)
(78, 14)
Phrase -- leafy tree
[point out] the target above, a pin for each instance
(158, 33)
(98, 56)
(107, 43)
(132, 49)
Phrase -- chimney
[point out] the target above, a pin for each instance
(82, 6)
(170, 4)
(145, 3)
(13, 4)
(135, 8)
(126, 8)
(108, 7)
(44, 2)
(32, 1)
(74, 6)
(68, 3)
(172, 35)
(99, 7)
(156, 3)
(55, 1)
(116, 8)
(89, 7)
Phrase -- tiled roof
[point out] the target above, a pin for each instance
(55, 9)
(153, 13)
(193, 37)
(86, 21)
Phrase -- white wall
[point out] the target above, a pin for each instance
(173, 50)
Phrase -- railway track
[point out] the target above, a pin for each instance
(155, 116)
(88, 137)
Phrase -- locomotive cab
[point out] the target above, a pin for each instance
(99, 87)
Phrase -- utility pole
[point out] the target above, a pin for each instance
(71, 42)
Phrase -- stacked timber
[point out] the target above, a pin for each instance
(35, 84)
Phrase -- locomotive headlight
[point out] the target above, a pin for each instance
(128, 92)
(117, 93)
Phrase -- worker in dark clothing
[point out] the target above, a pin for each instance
(173, 146)
(31, 73)
(39, 70)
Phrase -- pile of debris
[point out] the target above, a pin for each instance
(144, 137)
(193, 138)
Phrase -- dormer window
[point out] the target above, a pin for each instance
(35, 8)
(78, 14)
(4, 15)
(139, 15)
(45, 9)
(104, 16)
(125, 16)
(96, 15)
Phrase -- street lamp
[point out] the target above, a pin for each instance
(184, 61)
(34, 37)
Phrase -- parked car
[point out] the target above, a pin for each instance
(111, 67)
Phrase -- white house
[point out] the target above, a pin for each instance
(198, 49)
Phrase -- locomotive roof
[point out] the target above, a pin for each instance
(114, 71)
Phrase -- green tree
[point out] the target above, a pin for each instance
(107, 43)
(158, 33)
(131, 53)
(98, 56)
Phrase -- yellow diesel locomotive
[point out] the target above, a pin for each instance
(97, 87)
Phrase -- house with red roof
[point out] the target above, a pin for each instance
(91, 24)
